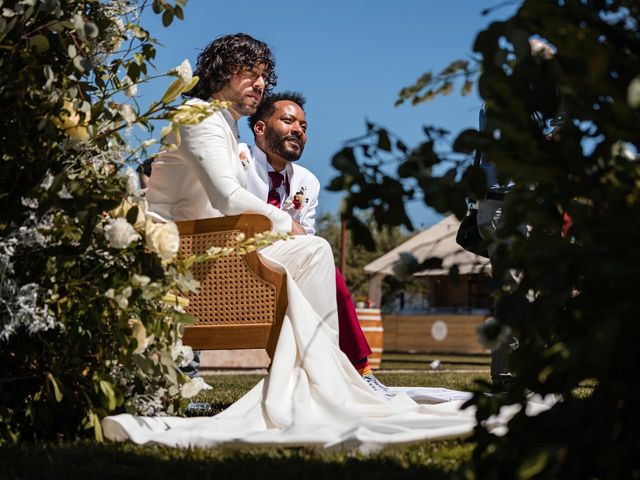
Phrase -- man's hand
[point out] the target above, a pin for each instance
(296, 229)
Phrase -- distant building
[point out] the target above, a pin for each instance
(445, 317)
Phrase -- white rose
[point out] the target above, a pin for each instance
(193, 387)
(184, 352)
(140, 280)
(184, 72)
(120, 233)
(163, 239)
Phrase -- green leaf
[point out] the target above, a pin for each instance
(468, 140)
(173, 91)
(345, 161)
(533, 465)
(132, 215)
(384, 143)
(633, 93)
(94, 421)
(56, 389)
(167, 18)
(337, 184)
(109, 393)
(39, 42)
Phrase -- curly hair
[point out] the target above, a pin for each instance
(228, 55)
(267, 106)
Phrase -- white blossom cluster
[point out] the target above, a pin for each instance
(150, 404)
(21, 306)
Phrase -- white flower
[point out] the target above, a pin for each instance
(127, 113)
(148, 143)
(182, 352)
(30, 202)
(140, 280)
(406, 265)
(47, 182)
(132, 181)
(193, 387)
(140, 334)
(120, 233)
(184, 72)
(163, 239)
(130, 88)
(64, 193)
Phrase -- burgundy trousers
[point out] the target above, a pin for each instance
(350, 336)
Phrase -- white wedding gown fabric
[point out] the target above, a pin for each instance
(312, 395)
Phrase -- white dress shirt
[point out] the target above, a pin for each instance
(301, 181)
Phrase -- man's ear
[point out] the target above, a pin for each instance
(258, 128)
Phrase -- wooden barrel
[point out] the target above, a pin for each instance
(371, 322)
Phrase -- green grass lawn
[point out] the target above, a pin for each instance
(422, 361)
(89, 460)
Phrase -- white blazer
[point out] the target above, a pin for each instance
(301, 181)
(204, 177)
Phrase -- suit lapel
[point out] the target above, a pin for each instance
(259, 183)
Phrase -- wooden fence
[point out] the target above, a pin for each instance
(437, 333)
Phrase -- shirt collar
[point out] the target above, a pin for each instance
(287, 171)
(233, 124)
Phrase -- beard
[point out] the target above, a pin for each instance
(277, 144)
(243, 105)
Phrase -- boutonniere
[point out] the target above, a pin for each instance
(244, 159)
(299, 199)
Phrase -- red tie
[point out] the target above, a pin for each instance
(276, 180)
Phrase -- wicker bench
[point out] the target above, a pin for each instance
(241, 301)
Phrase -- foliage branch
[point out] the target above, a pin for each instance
(576, 306)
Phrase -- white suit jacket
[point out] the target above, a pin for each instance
(300, 180)
(205, 178)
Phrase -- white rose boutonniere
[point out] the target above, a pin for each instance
(244, 160)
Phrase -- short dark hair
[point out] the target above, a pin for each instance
(267, 106)
(228, 55)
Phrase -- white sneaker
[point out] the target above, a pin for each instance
(377, 386)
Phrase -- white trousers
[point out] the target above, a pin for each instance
(309, 261)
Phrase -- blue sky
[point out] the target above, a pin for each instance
(349, 58)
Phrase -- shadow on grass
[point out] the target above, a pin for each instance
(88, 460)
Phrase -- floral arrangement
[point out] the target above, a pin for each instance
(91, 311)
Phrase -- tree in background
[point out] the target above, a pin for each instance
(575, 309)
(358, 256)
